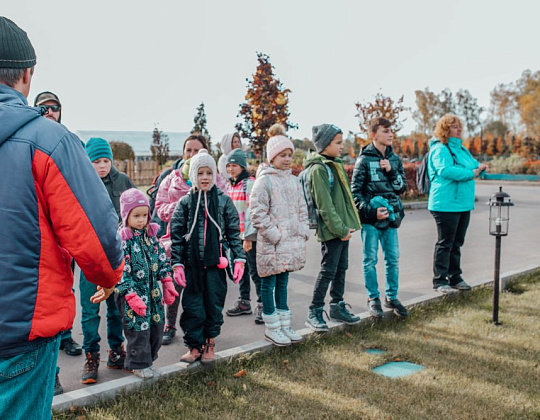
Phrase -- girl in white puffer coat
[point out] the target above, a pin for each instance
(278, 211)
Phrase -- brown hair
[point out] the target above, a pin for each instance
(443, 127)
(196, 136)
(375, 123)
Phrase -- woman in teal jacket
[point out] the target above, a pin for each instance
(452, 171)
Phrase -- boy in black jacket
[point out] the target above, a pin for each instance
(378, 179)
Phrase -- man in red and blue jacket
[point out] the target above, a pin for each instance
(53, 206)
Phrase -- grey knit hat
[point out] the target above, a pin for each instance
(200, 160)
(323, 135)
(237, 156)
(16, 51)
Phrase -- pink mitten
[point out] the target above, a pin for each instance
(179, 275)
(169, 292)
(136, 303)
(238, 271)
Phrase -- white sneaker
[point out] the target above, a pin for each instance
(146, 373)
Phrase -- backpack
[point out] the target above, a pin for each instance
(303, 177)
(423, 182)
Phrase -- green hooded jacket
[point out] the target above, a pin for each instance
(336, 208)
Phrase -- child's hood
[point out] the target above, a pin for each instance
(14, 112)
(226, 143)
(126, 233)
(433, 141)
(265, 169)
(314, 157)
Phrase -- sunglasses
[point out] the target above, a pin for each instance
(53, 108)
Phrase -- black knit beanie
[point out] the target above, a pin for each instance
(16, 51)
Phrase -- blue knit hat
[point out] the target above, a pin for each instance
(98, 148)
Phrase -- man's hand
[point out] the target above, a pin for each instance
(102, 294)
(385, 165)
(382, 213)
(247, 245)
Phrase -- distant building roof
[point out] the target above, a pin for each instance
(140, 141)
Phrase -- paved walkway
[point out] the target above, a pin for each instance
(521, 249)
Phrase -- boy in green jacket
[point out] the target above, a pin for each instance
(337, 220)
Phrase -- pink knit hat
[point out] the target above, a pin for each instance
(129, 200)
(276, 145)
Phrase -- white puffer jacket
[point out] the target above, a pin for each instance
(278, 211)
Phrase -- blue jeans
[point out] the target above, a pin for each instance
(390, 246)
(90, 320)
(27, 382)
(274, 287)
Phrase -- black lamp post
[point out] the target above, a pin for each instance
(499, 217)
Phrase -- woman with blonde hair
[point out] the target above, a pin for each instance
(452, 170)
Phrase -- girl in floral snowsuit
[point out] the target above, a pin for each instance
(139, 297)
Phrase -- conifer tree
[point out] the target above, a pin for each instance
(199, 126)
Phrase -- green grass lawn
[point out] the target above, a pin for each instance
(473, 370)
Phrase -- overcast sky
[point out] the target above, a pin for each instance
(125, 65)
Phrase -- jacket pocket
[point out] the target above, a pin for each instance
(17, 365)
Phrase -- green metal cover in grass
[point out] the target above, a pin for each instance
(397, 369)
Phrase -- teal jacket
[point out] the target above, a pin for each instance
(336, 207)
(452, 183)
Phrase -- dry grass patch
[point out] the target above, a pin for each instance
(474, 370)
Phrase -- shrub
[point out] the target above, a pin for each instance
(514, 164)
(532, 167)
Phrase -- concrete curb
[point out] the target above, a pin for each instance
(111, 389)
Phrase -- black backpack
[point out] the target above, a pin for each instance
(422, 174)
